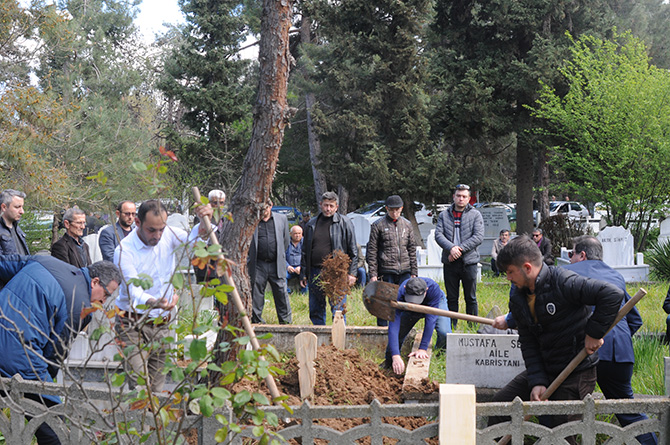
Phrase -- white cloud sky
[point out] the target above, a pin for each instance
(154, 13)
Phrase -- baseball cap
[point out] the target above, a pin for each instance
(415, 290)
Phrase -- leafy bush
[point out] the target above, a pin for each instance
(658, 257)
(561, 230)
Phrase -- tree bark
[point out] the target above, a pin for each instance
(524, 187)
(320, 185)
(271, 113)
(543, 204)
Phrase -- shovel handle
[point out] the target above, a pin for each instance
(626, 308)
(237, 301)
(433, 311)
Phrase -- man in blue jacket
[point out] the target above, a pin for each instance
(615, 367)
(41, 306)
(426, 292)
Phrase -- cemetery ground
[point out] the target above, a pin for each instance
(649, 342)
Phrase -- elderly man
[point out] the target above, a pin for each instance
(71, 248)
(12, 238)
(267, 263)
(544, 244)
(498, 245)
(615, 367)
(110, 236)
(391, 252)
(293, 257)
(459, 231)
(552, 309)
(149, 251)
(326, 232)
(41, 306)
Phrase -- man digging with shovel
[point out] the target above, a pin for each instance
(551, 306)
(425, 292)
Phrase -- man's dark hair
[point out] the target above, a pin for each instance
(504, 231)
(518, 251)
(330, 196)
(152, 205)
(118, 207)
(106, 271)
(8, 195)
(590, 245)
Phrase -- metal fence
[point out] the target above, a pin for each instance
(87, 415)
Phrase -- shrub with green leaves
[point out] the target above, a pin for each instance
(658, 257)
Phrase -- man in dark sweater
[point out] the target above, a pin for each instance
(326, 232)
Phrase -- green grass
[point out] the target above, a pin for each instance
(649, 352)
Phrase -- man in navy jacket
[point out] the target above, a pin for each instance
(615, 367)
(41, 306)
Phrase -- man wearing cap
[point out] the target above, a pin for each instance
(459, 231)
(425, 292)
(391, 252)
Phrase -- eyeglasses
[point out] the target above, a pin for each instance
(128, 214)
(462, 187)
(535, 235)
(107, 292)
(214, 202)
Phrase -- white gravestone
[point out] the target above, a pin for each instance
(664, 236)
(618, 246)
(433, 250)
(495, 220)
(361, 229)
(486, 361)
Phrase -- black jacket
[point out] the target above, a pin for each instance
(7, 245)
(391, 248)
(66, 249)
(342, 238)
(562, 300)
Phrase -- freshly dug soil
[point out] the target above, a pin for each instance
(343, 377)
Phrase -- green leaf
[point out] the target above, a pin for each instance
(118, 379)
(206, 406)
(260, 398)
(221, 393)
(197, 349)
(221, 434)
(178, 280)
(140, 166)
(242, 397)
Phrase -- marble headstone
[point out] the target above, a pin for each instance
(618, 246)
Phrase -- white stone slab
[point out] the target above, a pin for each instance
(486, 361)
(178, 220)
(433, 250)
(93, 247)
(361, 229)
(618, 246)
(495, 220)
(664, 236)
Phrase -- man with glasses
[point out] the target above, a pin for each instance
(459, 231)
(544, 244)
(72, 248)
(41, 305)
(110, 236)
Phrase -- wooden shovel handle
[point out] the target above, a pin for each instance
(237, 301)
(434, 311)
(626, 308)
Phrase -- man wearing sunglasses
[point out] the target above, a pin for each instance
(41, 306)
(459, 231)
(111, 236)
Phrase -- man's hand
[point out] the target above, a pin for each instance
(164, 303)
(303, 283)
(500, 322)
(373, 278)
(290, 269)
(455, 253)
(398, 365)
(420, 353)
(592, 344)
(352, 280)
(202, 211)
(537, 392)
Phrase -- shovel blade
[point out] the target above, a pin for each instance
(377, 298)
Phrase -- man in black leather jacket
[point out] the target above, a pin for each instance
(325, 233)
(551, 306)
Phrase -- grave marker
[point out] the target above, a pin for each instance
(618, 246)
(486, 361)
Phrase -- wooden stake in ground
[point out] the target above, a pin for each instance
(305, 351)
(339, 331)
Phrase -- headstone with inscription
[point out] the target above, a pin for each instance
(618, 246)
(495, 220)
(486, 361)
(664, 236)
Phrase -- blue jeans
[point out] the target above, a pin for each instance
(361, 276)
(317, 300)
(409, 319)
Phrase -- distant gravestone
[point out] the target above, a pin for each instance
(495, 220)
(486, 361)
(178, 220)
(361, 229)
(618, 246)
(433, 250)
(664, 236)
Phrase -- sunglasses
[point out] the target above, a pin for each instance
(462, 187)
(572, 253)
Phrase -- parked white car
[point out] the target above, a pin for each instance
(572, 209)
(372, 212)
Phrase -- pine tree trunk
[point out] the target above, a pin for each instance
(271, 114)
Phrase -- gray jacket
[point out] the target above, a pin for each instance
(472, 233)
(282, 236)
(342, 238)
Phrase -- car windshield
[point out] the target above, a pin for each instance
(369, 208)
(553, 205)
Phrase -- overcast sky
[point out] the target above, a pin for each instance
(153, 13)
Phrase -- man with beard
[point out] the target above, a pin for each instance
(110, 236)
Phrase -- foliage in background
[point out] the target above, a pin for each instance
(658, 258)
(611, 129)
(561, 229)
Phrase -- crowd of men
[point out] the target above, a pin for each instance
(557, 310)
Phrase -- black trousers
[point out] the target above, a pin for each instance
(575, 387)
